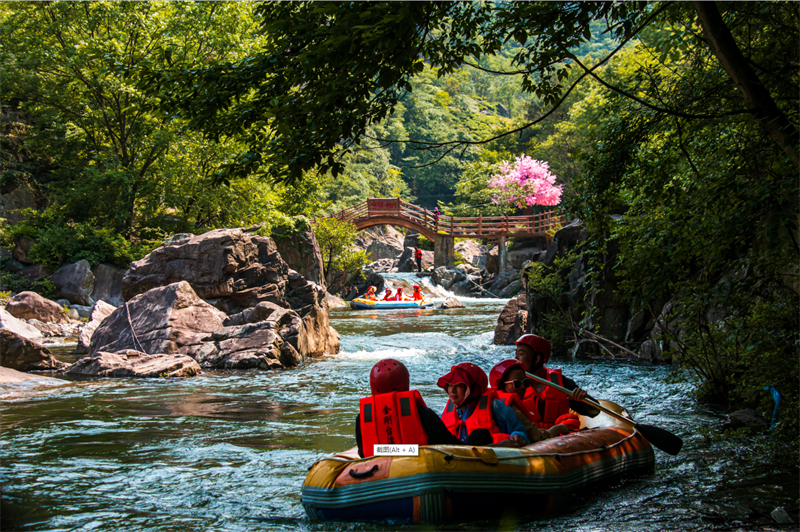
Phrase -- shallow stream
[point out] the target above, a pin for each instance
(228, 451)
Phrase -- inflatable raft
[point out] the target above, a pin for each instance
(366, 304)
(461, 483)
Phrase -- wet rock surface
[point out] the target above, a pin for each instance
(19, 327)
(131, 363)
(22, 354)
(511, 324)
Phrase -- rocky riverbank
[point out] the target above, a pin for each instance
(224, 299)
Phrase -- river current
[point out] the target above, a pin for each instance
(228, 451)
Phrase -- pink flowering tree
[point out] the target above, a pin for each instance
(525, 183)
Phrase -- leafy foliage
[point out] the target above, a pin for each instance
(337, 240)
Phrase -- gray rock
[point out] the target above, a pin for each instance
(745, 418)
(130, 363)
(502, 281)
(75, 282)
(334, 302)
(19, 327)
(446, 277)
(30, 305)
(450, 303)
(22, 247)
(84, 311)
(382, 242)
(468, 269)
(473, 252)
(12, 376)
(22, 354)
(513, 288)
(99, 312)
(14, 202)
(407, 263)
(493, 260)
(108, 284)
(300, 251)
(48, 330)
(13, 266)
(505, 332)
(34, 273)
(381, 266)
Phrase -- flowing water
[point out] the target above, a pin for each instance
(228, 451)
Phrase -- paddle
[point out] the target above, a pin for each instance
(663, 439)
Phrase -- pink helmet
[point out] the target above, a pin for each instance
(388, 375)
(537, 343)
(500, 369)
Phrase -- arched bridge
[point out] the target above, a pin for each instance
(443, 229)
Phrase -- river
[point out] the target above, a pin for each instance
(228, 451)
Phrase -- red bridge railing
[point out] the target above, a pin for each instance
(471, 227)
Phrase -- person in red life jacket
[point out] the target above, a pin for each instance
(418, 257)
(551, 405)
(388, 295)
(471, 407)
(393, 414)
(509, 380)
(399, 295)
(371, 294)
(417, 295)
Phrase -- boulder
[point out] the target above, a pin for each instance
(565, 239)
(450, 303)
(34, 273)
(22, 354)
(22, 247)
(381, 266)
(502, 281)
(504, 332)
(100, 311)
(108, 284)
(446, 277)
(521, 253)
(13, 266)
(12, 376)
(243, 269)
(493, 260)
(334, 302)
(474, 253)
(359, 285)
(382, 242)
(262, 344)
(19, 327)
(75, 282)
(48, 330)
(130, 363)
(512, 289)
(30, 305)
(14, 202)
(300, 250)
(169, 319)
(468, 269)
(745, 418)
(650, 351)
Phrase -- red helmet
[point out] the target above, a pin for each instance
(537, 343)
(416, 287)
(388, 375)
(468, 374)
(371, 289)
(500, 369)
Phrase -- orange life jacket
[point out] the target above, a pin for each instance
(418, 296)
(524, 406)
(398, 296)
(418, 253)
(390, 418)
(481, 418)
(555, 403)
(388, 297)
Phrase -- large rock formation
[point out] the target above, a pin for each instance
(108, 284)
(30, 305)
(300, 250)
(472, 252)
(100, 312)
(75, 282)
(17, 326)
(407, 263)
(383, 242)
(511, 324)
(22, 354)
(132, 363)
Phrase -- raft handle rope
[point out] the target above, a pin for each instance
(450, 456)
(130, 324)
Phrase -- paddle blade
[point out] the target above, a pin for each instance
(663, 439)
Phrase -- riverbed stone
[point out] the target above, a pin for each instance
(30, 305)
(382, 242)
(12, 376)
(17, 352)
(17, 326)
(108, 284)
(446, 277)
(505, 332)
(75, 282)
(100, 311)
(450, 303)
(473, 252)
(132, 363)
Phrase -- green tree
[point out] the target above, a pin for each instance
(337, 240)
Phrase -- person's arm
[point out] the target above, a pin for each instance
(507, 421)
(435, 428)
(579, 406)
(358, 435)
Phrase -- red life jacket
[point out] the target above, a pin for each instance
(481, 418)
(418, 253)
(555, 403)
(524, 406)
(417, 296)
(398, 296)
(390, 418)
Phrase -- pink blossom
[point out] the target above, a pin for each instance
(525, 183)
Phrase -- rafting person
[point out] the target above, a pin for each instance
(550, 405)
(399, 295)
(417, 295)
(388, 295)
(471, 406)
(510, 382)
(371, 294)
(407, 421)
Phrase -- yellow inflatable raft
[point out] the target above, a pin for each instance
(461, 483)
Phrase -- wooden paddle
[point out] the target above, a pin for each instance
(663, 439)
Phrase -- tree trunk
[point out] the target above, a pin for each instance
(755, 94)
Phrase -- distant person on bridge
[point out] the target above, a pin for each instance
(417, 295)
(371, 294)
(418, 257)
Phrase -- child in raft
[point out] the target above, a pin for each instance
(509, 379)
(371, 294)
